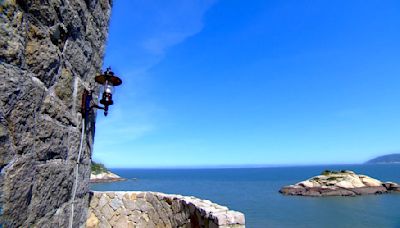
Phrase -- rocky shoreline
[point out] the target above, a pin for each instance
(340, 183)
(105, 177)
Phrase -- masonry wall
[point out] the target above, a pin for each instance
(49, 51)
(154, 209)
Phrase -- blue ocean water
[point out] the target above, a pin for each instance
(254, 191)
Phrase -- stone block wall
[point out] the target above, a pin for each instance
(49, 51)
(154, 209)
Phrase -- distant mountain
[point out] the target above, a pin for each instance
(385, 159)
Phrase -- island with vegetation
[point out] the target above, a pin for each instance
(340, 183)
(99, 173)
(385, 159)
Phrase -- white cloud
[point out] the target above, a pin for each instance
(146, 29)
(141, 33)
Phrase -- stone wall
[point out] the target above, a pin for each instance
(153, 209)
(49, 51)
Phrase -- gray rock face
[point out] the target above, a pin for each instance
(49, 51)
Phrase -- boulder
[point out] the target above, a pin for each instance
(391, 186)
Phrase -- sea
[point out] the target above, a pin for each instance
(254, 191)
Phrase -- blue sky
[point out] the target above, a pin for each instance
(208, 83)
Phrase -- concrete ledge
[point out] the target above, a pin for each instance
(154, 209)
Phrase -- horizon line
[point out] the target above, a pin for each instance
(238, 166)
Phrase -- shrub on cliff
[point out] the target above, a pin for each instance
(98, 168)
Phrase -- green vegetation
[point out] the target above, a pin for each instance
(332, 178)
(328, 172)
(98, 168)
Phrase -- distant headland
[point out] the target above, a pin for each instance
(99, 173)
(385, 159)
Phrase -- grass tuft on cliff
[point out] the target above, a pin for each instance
(97, 168)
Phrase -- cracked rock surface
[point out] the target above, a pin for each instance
(49, 51)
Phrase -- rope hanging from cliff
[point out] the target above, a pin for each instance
(75, 186)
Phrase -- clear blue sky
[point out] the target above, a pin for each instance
(251, 82)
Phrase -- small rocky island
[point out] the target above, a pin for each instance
(340, 183)
(99, 174)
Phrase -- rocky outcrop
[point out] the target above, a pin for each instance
(343, 183)
(49, 51)
(153, 209)
(105, 177)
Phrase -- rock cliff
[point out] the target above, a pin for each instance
(341, 183)
(49, 51)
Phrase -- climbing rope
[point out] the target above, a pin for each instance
(75, 186)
